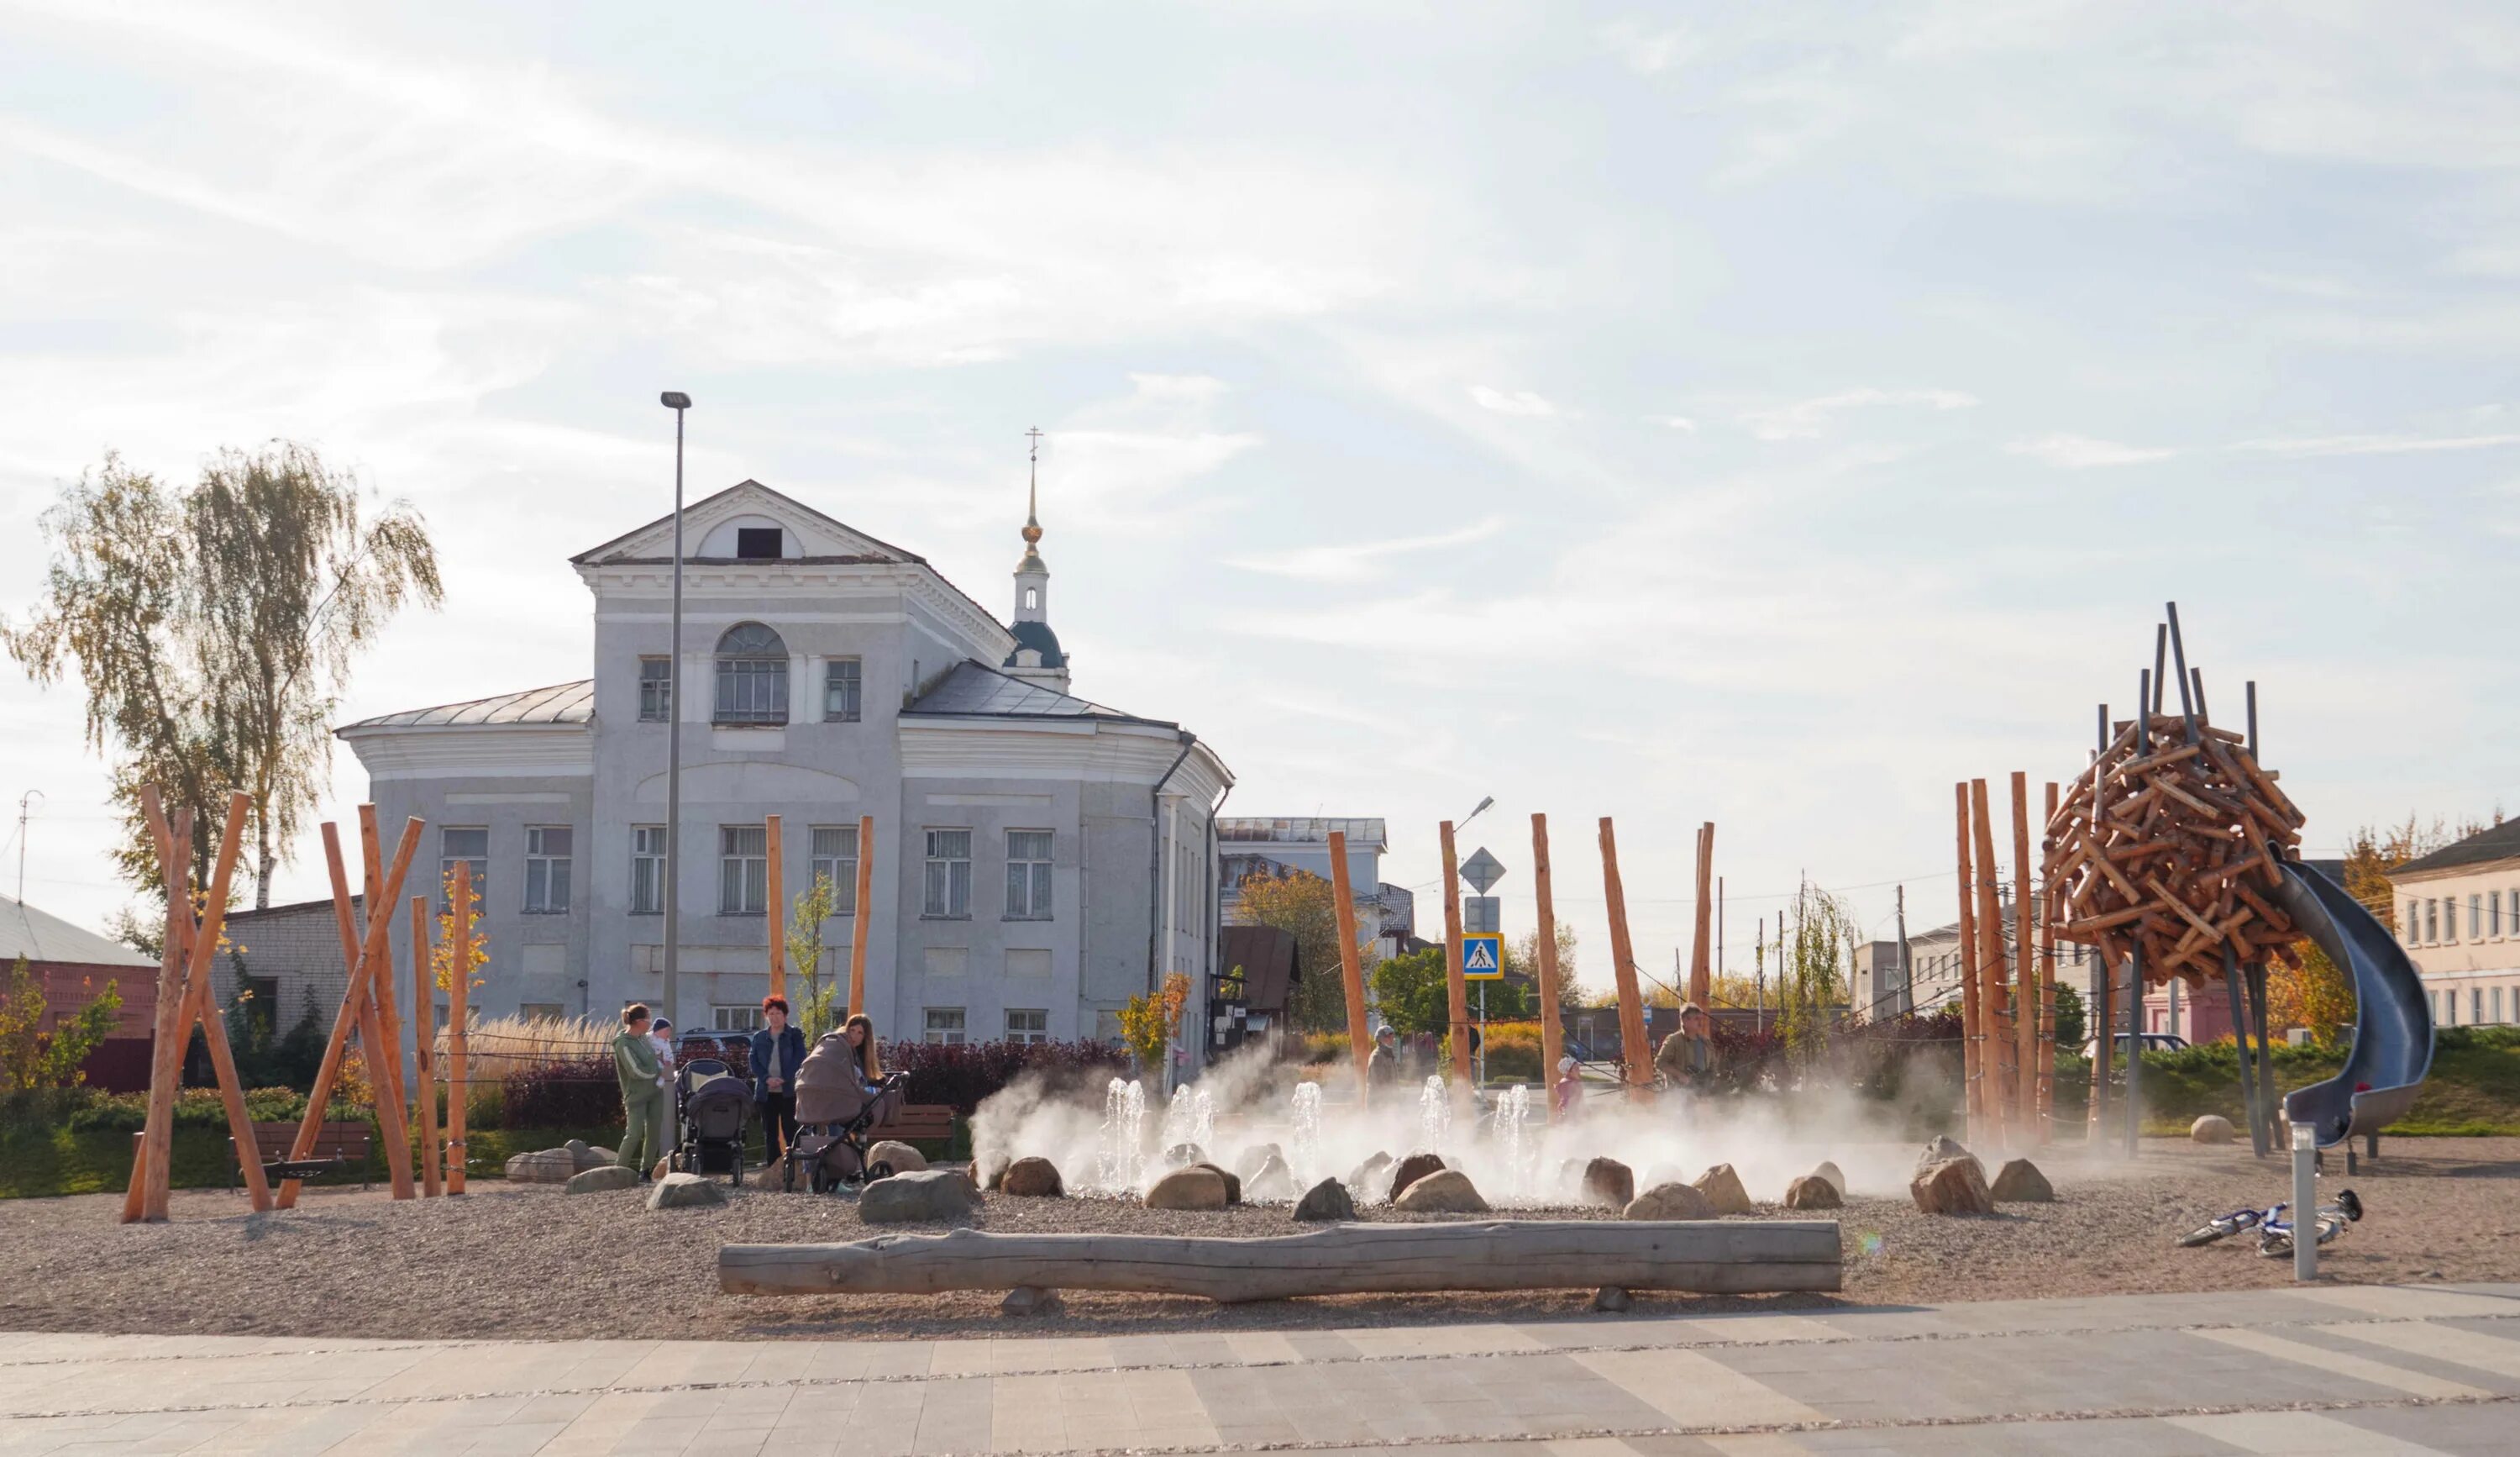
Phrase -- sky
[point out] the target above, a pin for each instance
(1760, 414)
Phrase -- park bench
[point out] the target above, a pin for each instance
(918, 1122)
(339, 1144)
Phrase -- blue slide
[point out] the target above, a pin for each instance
(2392, 1017)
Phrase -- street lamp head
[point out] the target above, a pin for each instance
(674, 399)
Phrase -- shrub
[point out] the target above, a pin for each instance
(1317, 1048)
(564, 1093)
(961, 1075)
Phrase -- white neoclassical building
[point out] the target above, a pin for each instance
(1037, 858)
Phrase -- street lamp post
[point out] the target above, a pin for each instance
(676, 401)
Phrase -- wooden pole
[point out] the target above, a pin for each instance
(1972, 1049)
(1359, 1037)
(359, 964)
(2047, 994)
(865, 914)
(459, 1025)
(1456, 996)
(1635, 1056)
(382, 1037)
(424, 1050)
(166, 1054)
(2025, 977)
(1553, 1025)
(353, 998)
(1701, 978)
(778, 912)
(1998, 1062)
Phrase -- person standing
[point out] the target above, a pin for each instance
(778, 1050)
(1382, 1069)
(1567, 1095)
(661, 1033)
(1687, 1058)
(643, 1093)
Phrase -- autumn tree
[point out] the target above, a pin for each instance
(1305, 907)
(2319, 996)
(1522, 959)
(31, 1057)
(806, 954)
(213, 628)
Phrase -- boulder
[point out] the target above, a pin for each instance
(1723, 1190)
(1446, 1191)
(925, 1196)
(1830, 1171)
(1610, 1300)
(1941, 1151)
(1954, 1186)
(1811, 1192)
(2213, 1127)
(589, 1157)
(902, 1156)
(1326, 1201)
(2019, 1181)
(989, 1170)
(1031, 1178)
(1253, 1157)
(1184, 1155)
(1192, 1188)
(685, 1191)
(609, 1176)
(661, 1168)
(1607, 1181)
(1410, 1170)
(544, 1166)
(1232, 1184)
(1031, 1300)
(1371, 1179)
(1271, 1182)
(1659, 1175)
(1672, 1201)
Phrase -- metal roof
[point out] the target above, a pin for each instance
(39, 935)
(561, 703)
(975, 689)
(2500, 842)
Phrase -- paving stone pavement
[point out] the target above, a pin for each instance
(2329, 1369)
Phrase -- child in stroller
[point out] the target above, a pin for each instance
(711, 1105)
(835, 1108)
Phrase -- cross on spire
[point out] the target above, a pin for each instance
(1033, 503)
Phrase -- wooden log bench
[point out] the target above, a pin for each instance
(915, 1123)
(1714, 1257)
(341, 1143)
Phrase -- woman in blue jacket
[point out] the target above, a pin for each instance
(778, 1050)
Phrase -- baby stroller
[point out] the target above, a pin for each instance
(711, 1105)
(834, 1111)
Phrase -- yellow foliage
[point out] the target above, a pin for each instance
(441, 956)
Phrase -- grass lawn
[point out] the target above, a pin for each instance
(2472, 1091)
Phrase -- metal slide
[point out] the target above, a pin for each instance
(2393, 1019)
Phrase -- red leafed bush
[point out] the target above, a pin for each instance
(962, 1074)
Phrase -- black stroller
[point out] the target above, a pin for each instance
(711, 1105)
(834, 1113)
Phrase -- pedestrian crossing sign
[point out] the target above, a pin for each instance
(1483, 957)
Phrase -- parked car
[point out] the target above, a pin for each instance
(2152, 1042)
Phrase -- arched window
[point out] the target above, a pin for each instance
(751, 675)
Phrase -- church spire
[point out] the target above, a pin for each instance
(1032, 561)
(1037, 657)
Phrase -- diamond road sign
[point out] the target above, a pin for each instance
(1482, 870)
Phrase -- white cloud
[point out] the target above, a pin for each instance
(2082, 452)
(1356, 562)
(2321, 445)
(1804, 419)
(1650, 51)
(1518, 403)
(1680, 423)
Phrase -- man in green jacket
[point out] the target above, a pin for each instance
(642, 1092)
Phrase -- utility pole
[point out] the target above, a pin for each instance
(24, 808)
(1907, 979)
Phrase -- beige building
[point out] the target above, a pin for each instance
(2458, 911)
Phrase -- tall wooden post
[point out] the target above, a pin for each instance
(354, 996)
(360, 983)
(424, 1050)
(778, 911)
(1636, 1057)
(1701, 977)
(1998, 1062)
(2025, 977)
(2048, 991)
(1972, 1044)
(1359, 1037)
(865, 914)
(166, 1054)
(1553, 1024)
(459, 1025)
(383, 1038)
(1456, 996)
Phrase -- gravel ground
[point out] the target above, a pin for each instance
(530, 1261)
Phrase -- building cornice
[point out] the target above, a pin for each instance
(1086, 749)
(474, 750)
(2503, 866)
(785, 580)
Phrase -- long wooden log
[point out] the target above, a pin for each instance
(1701, 983)
(381, 1030)
(1634, 1057)
(862, 912)
(424, 1050)
(458, 1022)
(1456, 996)
(1360, 1038)
(776, 874)
(1719, 1256)
(2025, 974)
(1972, 1048)
(1553, 1026)
(166, 1053)
(2000, 1061)
(353, 998)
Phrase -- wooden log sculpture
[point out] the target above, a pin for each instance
(2169, 843)
(1731, 1257)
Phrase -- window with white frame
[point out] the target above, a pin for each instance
(2432, 921)
(841, 684)
(2475, 917)
(742, 870)
(751, 676)
(647, 870)
(466, 844)
(547, 856)
(944, 1025)
(2498, 1004)
(539, 1011)
(739, 1018)
(1028, 875)
(835, 855)
(948, 881)
(2475, 1005)
(1027, 1025)
(2412, 922)
(655, 689)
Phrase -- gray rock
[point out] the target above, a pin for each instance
(685, 1191)
(588, 1157)
(1942, 1149)
(1254, 1158)
(1954, 1186)
(927, 1195)
(902, 1156)
(1410, 1170)
(1271, 1182)
(1192, 1188)
(1325, 1201)
(1032, 1178)
(1031, 1300)
(609, 1176)
(1672, 1201)
(1723, 1190)
(1607, 1181)
(2212, 1128)
(1812, 1192)
(2019, 1181)
(1184, 1155)
(1372, 1180)
(542, 1167)
(1610, 1300)
(1233, 1185)
(1830, 1171)
(1446, 1191)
